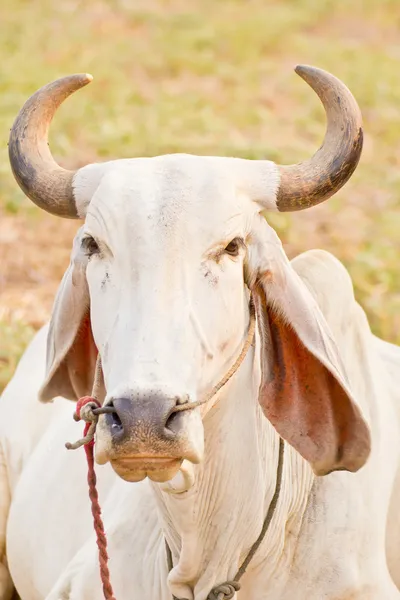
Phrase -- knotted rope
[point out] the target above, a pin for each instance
(89, 409)
(225, 591)
(84, 410)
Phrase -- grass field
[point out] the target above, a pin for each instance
(203, 77)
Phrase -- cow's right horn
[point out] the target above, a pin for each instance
(46, 183)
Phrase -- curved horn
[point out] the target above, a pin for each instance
(46, 183)
(315, 180)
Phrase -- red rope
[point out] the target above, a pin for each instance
(96, 510)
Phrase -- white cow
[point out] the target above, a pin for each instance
(159, 283)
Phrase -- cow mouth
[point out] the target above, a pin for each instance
(137, 468)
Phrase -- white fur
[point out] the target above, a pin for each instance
(258, 180)
(170, 315)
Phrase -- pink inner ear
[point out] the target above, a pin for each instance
(81, 359)
(305, 403)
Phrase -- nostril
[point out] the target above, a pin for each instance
(116, 422)
(113, 420)
(171, 425)
(136, 418)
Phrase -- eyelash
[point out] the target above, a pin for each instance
(90, 246)
(234, 247)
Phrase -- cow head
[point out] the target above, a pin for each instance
(159, 283)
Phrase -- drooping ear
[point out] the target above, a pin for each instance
(304, 390)
(71, 351)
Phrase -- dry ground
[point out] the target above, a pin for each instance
(203, 77)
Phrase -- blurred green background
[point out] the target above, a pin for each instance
(207, 77)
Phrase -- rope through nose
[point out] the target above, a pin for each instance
(89, 409)
(92, 411)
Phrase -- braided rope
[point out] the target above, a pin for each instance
(83, 411)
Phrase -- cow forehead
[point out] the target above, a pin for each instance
(169, 193)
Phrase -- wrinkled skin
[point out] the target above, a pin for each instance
(169, 313)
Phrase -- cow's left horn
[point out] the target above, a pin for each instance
(315, 180)
(46, 183)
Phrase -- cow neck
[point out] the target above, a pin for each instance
(228, 588)
(212, 527)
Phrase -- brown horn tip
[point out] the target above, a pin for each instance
(315, 180)
(47, 184)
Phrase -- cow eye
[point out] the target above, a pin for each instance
(90, 246)
(234, 247)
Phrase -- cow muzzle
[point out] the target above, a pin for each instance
(144, 437)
